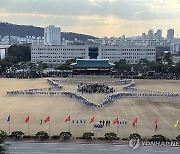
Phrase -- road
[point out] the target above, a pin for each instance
(72, 148)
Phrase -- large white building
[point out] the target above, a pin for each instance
(52, 35)
(59, 54)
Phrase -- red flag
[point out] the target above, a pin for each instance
(68, 119)
(92, 120)
(134, 122)
(116, 121)
(27, 119)
(155, 123)
(47, 119)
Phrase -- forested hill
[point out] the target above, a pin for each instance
(25, 30)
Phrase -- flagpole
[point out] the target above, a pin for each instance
(93, 127)
(9, 128)
(28, 128)
(156, 130)
(178, 127)
(136, 128)
(69, 126)
(49, 128)
(117, 128)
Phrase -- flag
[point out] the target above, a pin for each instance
(177, 123)
(68, 119)
(116, 121)
(27, 119)
(155, 123)
(134, 122)
(92, 120)
(47, 119)
(9, 118)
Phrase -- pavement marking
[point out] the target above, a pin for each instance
(64, 148)
(156, 151)
(21, 147)
(31, 152)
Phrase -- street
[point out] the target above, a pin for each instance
(72, 148)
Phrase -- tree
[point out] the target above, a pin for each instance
(158, 138)
(88, 135)
(167, 58)
(18, 53)
(17, 134)
(144, 65)
(42, 66)
(135, 136)
(65, 135)
(3, 65)
(42, 135)
(178, 137)
(3, 137)
(159, 60)
(111, 136)
(177, 67)
(121, 65)
(159, 68)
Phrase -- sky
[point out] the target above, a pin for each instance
(95, 17)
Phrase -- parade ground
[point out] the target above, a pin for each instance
(167, 110)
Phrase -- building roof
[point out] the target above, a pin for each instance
(92, 63)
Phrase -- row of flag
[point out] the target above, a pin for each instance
(68, 119)
(134, 123)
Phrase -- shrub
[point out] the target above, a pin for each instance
(78, 138)
(17, 134)
(2, 149)
(88, 135)
(111, 136)
(178, 137)
(65, 135)
(134, 136)
(55, 137)
(3, 137)
(42, 135)
(158, 138)
(27, 136)
(101, 138)
(125, 139)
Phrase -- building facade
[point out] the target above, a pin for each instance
(52, 35)
(150, 34)
(170, 34)
(60, 54)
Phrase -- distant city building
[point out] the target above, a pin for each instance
(175, 45)
(60, 54)
(52, 35)
(150, 34)
(158, 34)
(3, 51)
(170, 34)
(144, 36)
(38, 41)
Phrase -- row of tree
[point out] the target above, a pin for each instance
(42, 135)
(144, 66)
